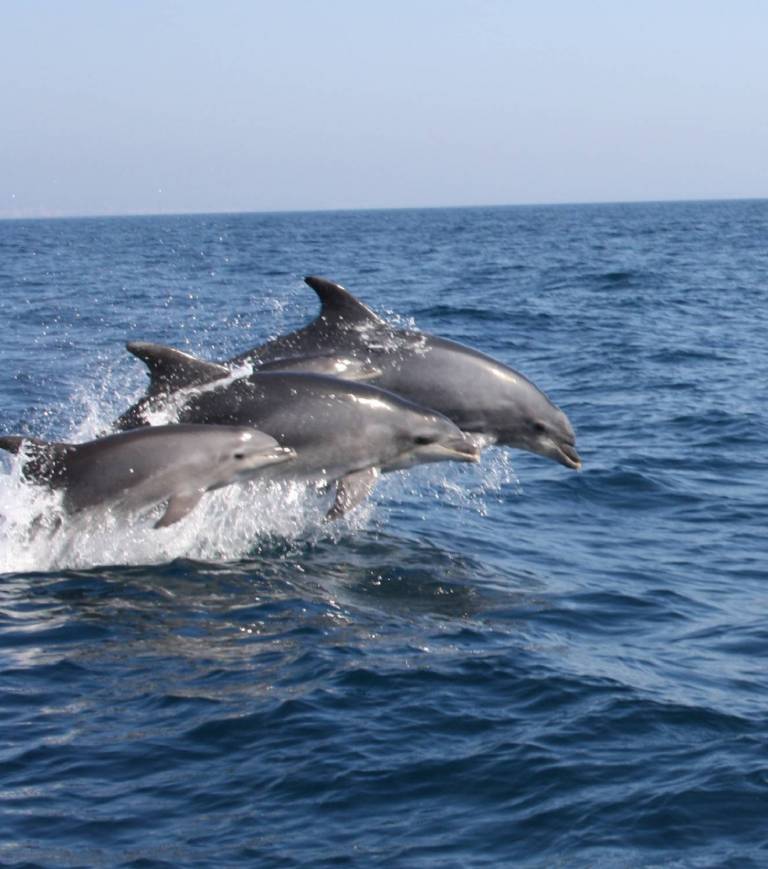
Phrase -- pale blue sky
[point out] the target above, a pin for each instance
(147, 106)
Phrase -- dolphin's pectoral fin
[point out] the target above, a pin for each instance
(171, 369)
(345, 367)
(339, 304)
(178, 507)
(351, 491)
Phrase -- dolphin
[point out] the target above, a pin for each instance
(135, 470)
(480, 394)
(342, 432)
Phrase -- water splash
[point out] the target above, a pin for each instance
(458, 485)
(230, 524)
(227, 525)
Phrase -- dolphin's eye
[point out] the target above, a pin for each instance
(239, 455)
(539, 427)
(422, 440)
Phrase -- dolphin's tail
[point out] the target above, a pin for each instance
(42, 461)
(11, 443)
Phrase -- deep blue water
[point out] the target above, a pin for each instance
(513, 664)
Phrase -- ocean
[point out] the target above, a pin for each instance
(508, 664)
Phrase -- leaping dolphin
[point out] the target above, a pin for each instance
(342, 431)
(136, 470)
(477, 392)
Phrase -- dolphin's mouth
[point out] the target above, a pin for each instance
(280, 454)
(567, 455)
(460, 449)
(272, 456)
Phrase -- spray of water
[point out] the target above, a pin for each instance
(229, 524)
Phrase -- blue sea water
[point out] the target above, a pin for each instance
(510, 664)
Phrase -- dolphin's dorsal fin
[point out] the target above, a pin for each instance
(171, 369)
(42, 460)
(339, 304)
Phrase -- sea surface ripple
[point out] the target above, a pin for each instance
(510, 664)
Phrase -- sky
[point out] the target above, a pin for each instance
(172, 106)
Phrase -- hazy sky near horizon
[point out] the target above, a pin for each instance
(155, 106)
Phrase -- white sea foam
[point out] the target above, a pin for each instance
(227, 524)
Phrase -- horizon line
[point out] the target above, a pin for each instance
(375, 208)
